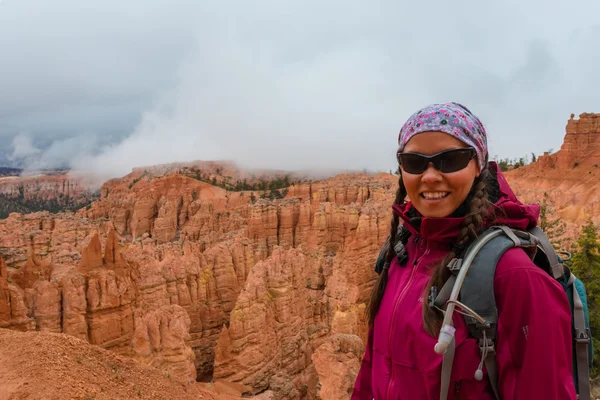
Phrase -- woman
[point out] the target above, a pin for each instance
(453, 197)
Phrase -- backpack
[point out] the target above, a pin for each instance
(475, 272)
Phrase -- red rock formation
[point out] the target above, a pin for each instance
(257, 295)
(120, 274)
(581, 145)
(54, 192)
(43, 186)
(161, 338)
(160, 207)
(571, 176)
(337, 363)
(298, 297)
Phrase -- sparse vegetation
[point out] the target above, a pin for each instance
(21, 204)
(227, 182)
(507, 164)
(274, 194)
(136, 180)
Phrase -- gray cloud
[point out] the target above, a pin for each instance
(23, 148)
(268, 84)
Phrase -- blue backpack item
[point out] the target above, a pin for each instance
(471, 287)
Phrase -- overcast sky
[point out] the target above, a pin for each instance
(110, 85)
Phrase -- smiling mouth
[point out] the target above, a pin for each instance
(434, 195)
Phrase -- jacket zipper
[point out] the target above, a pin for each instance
(457, 387)
(402, 293)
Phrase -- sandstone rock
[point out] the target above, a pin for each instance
(259, 296)
(581, 145)
(29, 193)
(74, 304)
(337, 362)
(5, 305)
(160, 340)
(245, 290)
(44, 187)
(571, 176)
(91, 256)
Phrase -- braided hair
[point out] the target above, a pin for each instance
(379, 289)
(479, 204)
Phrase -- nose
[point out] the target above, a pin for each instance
(431, 175)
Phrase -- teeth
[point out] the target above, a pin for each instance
(434, 195)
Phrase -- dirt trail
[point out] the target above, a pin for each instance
(40, 365)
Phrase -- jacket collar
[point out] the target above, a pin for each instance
(509, 211)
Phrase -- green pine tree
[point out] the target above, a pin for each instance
(551, 224)
(585, 264)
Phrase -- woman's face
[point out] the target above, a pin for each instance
(433, 193)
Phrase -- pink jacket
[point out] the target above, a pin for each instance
(534, 326)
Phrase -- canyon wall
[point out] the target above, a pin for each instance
(255, 295)
(50, 192)
(250, 293)
(570, 177)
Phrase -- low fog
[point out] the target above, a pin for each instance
(107, 86)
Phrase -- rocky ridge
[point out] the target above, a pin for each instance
(258, 296)
(51, 191)
(204, 283)
(571, 176)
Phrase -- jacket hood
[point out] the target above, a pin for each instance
(508, 211)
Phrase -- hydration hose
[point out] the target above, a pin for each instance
(447, 332)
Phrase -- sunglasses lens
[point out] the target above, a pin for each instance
(454, 160)
(413, 163)
(446, 162)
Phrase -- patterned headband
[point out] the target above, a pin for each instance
(451, 118)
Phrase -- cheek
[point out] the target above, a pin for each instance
(411, 182)
(462, 182)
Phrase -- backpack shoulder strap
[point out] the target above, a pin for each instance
(582, 342)
(381, 263)
(477, 291)
(556, 268)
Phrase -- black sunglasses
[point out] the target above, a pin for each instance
(447, 161)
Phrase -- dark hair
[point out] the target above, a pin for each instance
(479, 203)
(379, 289)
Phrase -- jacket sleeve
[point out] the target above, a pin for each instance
(362, 387)
(534, 342)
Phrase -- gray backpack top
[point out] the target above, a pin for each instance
(472, 283)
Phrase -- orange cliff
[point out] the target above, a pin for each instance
(256, 295)
(42, 186)
(581, 145)
(45, 191)
(570, 177)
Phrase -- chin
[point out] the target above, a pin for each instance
(434, 211)
(436, 214)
